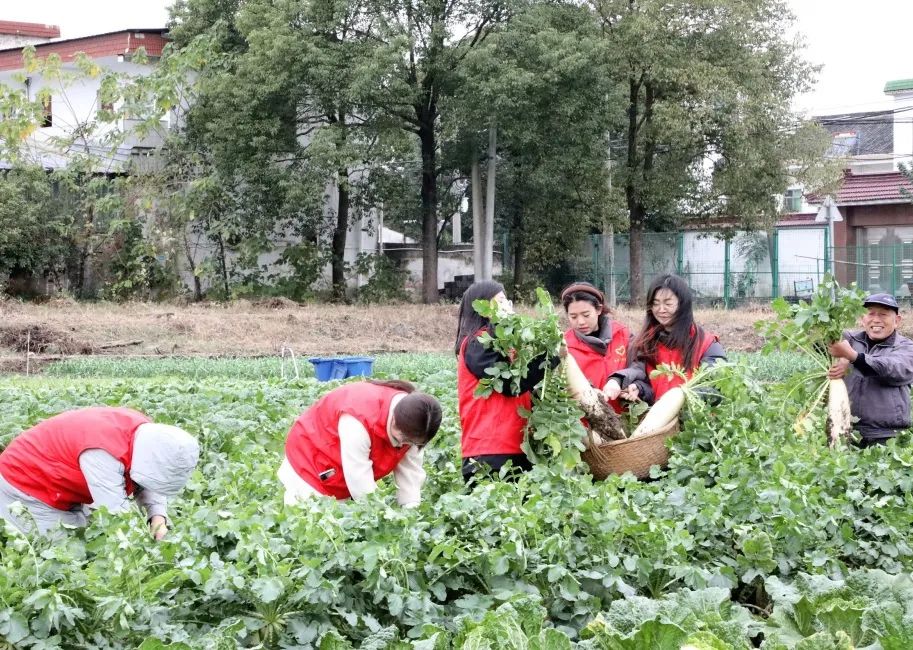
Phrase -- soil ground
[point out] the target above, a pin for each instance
(65, 327)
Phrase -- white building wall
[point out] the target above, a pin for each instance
(8, 41)
(903, 127)
(74, 104)
(801, 257)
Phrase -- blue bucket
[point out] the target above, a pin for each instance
(359, 366)
(329, 368)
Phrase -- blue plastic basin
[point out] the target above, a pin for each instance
(329, 368)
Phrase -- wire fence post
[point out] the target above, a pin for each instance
(506, 262)
(860, 259)
(680, 253)
(726, 277)
(775, 266)
(595, 263)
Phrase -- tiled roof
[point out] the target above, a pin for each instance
(873, 132)
(96, 46)
(797, 219)
(864, 189)
(13, 28)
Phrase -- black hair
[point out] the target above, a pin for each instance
(418, 416)
(684, 334)
(398, 384)
(469, 321)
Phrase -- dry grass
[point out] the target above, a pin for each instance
(245, 328)
(242, 328)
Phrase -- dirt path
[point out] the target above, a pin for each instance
(64, 327)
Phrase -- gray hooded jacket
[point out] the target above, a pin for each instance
(879, 385)
(164, 456)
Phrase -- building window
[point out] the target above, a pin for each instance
(844, 144)
(47, 113)
(792, 200)
(105, 105)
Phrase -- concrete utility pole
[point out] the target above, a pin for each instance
(483, 216)
(488, 257)
(829, 213)
(478, 225)
(609, 232)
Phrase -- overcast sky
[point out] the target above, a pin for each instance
(861, 43)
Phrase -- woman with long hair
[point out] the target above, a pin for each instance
(492, 427)
(357, 434)
(669, 336)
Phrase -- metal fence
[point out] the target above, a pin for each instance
(750, 267)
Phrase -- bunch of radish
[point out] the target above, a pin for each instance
(809, 328)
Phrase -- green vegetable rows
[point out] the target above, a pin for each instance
(753, 535)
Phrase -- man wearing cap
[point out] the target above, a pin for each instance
(882, 371)
(78, 461)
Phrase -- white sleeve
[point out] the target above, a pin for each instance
(104, 475)
(153, 503)
(355, 448)
(409, 476)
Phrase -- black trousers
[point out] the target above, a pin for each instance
(872, 442)
(477, 467)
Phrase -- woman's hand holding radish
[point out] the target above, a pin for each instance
(631, 393)
(612, 389)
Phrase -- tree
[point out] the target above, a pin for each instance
(539, 79)
(907, 171)
(292, 100)
(708, 86)
(425, 44)
(85, 148)
(29, 229)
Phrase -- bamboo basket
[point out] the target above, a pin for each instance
(635, 455)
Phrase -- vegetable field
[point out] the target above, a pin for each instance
(755, 535)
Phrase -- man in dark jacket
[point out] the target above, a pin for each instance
(882, 371)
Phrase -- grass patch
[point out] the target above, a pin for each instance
(407, 366)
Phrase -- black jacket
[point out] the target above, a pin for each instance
(879, 384)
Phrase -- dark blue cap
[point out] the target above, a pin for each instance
(883, 299)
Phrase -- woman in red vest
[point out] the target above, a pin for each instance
(669, 336)
(354, 436)
(492, 426)
(65, 467)
(598, 342)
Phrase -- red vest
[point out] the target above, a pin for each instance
(597, 368)
(313, 447)
(661, 385)
(43, 462)
(491, 425)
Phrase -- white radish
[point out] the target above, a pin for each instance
(663, 412)
(839, 417)
(600, 415)
(577, 383)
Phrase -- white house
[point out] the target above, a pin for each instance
(75, 104)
